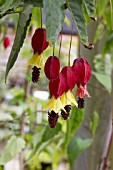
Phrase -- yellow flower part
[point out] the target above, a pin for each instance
(36, 60)
(54, 104)
(65, 100)
(68, 98)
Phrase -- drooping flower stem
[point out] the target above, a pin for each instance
(53, 50)
(60, 44)
(41, 17)
(70, 45)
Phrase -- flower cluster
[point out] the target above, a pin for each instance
(61, 84)
(39, 44)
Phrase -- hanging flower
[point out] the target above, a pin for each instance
(52, 67)
(39, 44)
(67, 97)
(83, 73)
(56, 87)
(6, 42)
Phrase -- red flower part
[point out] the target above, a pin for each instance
(70, 77)
(6, 42)
(82, 71)
(58, 86)
(39, 42)
(52, 67)
(82, 91)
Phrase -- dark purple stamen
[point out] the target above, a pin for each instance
(67, 108)
(80, 103)
(64, 115)
(35, 74)
(52, 119)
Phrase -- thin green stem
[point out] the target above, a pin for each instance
(111, 7)
(53, 49)
(41, 17)
(70, 45)
(60, 45)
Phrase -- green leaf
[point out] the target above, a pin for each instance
(55, 15)
(76, 118)
(15, 4)
(23, 23)
(91, 7)
(76, 8)
(35, 3)
(14, 146)
(51, 132)
(94, 123)
(5, 6)
(104, 79)
(36, 17)
(101, 7)
(77, 146)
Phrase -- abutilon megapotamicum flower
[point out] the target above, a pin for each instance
(6, 42)
(39, 44)
(67, 98)
(82, 71)
(60, 87)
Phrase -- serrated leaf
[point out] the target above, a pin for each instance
(14, 146)
(35, 3)
(55, 15)
(76, 118)
(51, 132)
(76, 8)
(91, 7)
(104, 79)
(5, 6)
(76, 147)
(23, 23)
(15, 4)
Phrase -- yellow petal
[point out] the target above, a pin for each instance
(65, 101)
(50, 103)
(58, 105)
(71, 98)
(36, 60)
(54, 104)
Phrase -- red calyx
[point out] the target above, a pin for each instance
(58, 86)
(82, 70)
(52, 67)
(39, 42)
(6, 42)
(70, 77)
